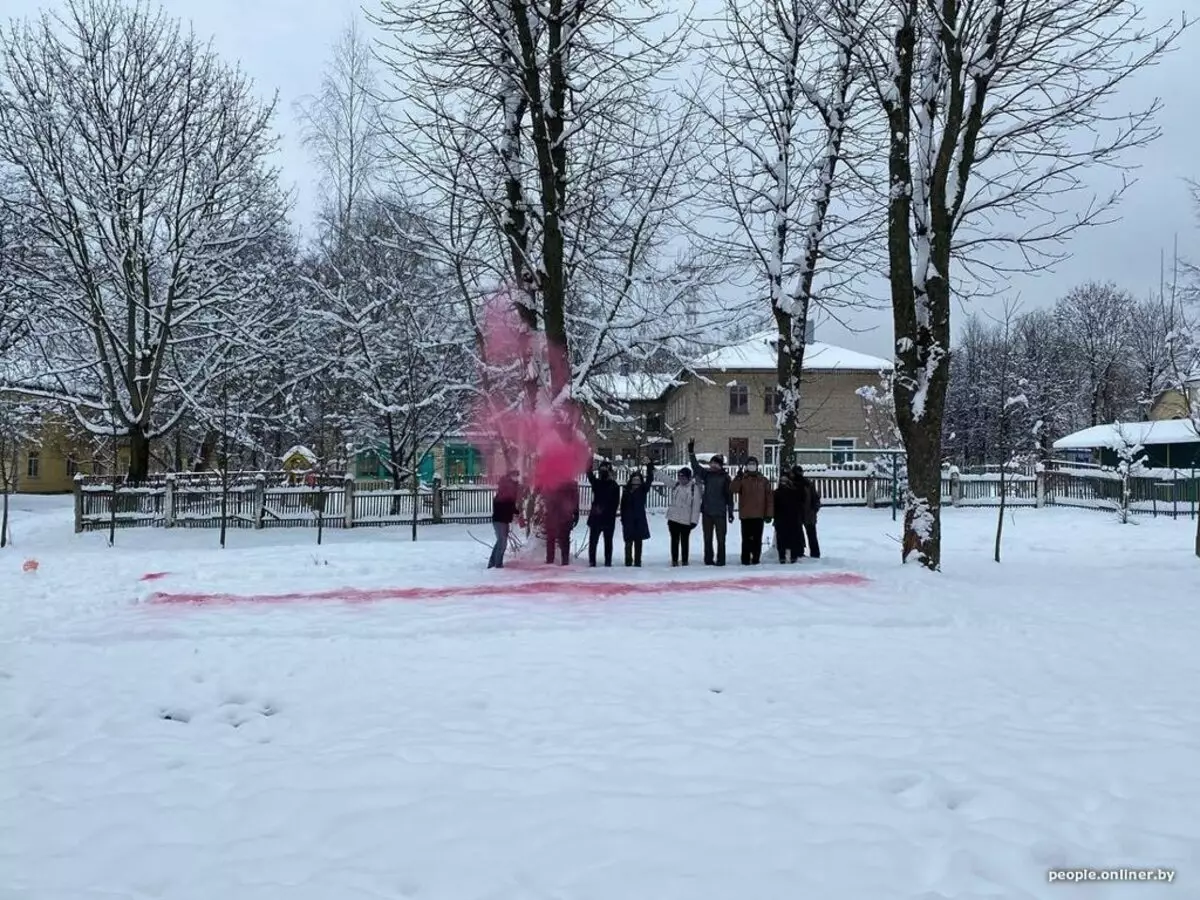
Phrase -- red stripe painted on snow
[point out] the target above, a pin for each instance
(592, 590)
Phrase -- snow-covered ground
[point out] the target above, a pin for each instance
(915, 737)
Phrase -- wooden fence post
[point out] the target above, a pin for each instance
(1041, 486)
(437, 501)
(78, 488)
(955, 487)
(871, 487)
(260, 498)
(169, 501)
(348, 503)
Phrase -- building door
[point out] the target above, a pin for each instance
(739, 451)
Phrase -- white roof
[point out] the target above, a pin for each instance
(300, 451)
(758, 353)
(1122, 434)
(637, 386)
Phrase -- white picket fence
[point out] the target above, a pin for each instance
(268, 500)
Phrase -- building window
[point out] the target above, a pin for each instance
(606, 422)
(739, 451)
(843, 450)
(653, 423)
(739, 400)
(770, 455)
(33, 465)
(604, 452)
(771, 401)
(629, 454)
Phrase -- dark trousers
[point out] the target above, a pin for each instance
(594, 533)
(681, 537)
(633, 553)
(559, 537)
(714, 525)
(814, 547)
(752, 533)
(497, 559)
(789, 541)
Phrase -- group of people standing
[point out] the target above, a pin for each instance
(701, 495)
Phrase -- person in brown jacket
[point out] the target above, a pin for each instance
(756, 507)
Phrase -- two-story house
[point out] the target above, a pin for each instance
(728, 403)
(634, 424)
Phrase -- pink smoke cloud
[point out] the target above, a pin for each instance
(544, 437)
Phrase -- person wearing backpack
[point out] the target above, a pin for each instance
(810, 505)
(683, 514)
(635, 527)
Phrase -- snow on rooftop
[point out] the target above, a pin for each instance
(758, 353)
(1172, 431)
(636, 386)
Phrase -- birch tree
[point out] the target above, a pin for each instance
(345, 128)
(145, 161)
(996, 111)
(784, 100)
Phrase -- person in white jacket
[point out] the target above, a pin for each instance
(683, 514)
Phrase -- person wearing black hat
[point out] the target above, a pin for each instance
(717, 505)
(810, 505)
(602, 517)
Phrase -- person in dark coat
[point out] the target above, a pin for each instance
(635, 527)
(717, 505)
(561, 517)
(504, 510)
(810, 505)
(789, 528)
(602, 517)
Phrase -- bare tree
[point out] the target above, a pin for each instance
(144, 159)
(1011, 399)
(783, 100)
(996, 110)
(1098, 322)
(388, 342)
(346, 127)
(538, 140)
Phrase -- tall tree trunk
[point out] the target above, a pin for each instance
(139, 454)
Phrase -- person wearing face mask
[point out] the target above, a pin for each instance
(602, 518)
(755, 509)
(716, 505)
(635, 527)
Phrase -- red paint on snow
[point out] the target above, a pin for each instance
(154, 576)
(576, 589)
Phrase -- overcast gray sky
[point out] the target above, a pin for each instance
(283, 45)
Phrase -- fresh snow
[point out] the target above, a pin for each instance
(758, 353)
(1115, 436)
(919, 737)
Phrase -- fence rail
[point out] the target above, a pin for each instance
(268, 501)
